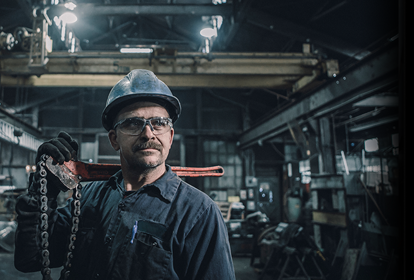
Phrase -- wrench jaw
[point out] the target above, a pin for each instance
(64, 174)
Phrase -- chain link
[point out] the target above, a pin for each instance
(72, 237)
(44, 235)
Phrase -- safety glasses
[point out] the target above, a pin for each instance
(135, 126)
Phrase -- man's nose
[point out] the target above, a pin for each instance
(147, 132)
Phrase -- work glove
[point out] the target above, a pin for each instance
(62, 148)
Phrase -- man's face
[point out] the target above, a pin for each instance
(146, 150)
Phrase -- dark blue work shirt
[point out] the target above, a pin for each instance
(179, 233)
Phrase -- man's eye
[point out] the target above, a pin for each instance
(159, 123)
(132, 123)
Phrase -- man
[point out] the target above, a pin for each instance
(144, 222)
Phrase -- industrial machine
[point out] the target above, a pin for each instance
(287, 252)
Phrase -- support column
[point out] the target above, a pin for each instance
(200, 144)
(314, 146)
(327, 146)
(35, 116)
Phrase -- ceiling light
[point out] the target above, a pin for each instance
(68, 17)
(211, 25)
(215, 2)
(136, 50)
(208, 32)
(70, 5)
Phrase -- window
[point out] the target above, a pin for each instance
(224, 154)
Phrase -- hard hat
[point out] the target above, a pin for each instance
(139, 85)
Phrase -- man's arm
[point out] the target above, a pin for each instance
(207, 248)
(28, 241)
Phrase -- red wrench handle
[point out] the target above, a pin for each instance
(103, 171)
(73, 172)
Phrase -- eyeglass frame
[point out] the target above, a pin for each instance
(146, 122)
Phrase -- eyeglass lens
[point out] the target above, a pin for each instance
(134, 126)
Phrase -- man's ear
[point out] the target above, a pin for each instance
(172, 136)
(113, 139)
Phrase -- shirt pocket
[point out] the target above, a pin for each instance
(148, 259)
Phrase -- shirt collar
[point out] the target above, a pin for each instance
(116, 181)
(167, 184)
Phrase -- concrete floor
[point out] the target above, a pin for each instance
(243, 269)
(8, 272)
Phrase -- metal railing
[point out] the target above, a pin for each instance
(25, 140)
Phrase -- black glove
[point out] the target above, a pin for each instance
(63, 148)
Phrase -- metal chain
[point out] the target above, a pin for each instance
(72, 237)
(44, 236)
(44, 221)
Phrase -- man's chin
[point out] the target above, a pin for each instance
(151, 165)
(147, 164)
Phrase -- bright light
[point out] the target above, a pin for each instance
(208, 32)
(207, 48)
(371, 145)
(136, 50)
(57, 21)
(219, 21)
(70, 6)
(68, 17)
(49, 44)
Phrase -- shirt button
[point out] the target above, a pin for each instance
(96, 276)
(108, 240)
(121, 206)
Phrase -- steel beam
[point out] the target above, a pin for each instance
(173, 81)
(378, 101)
(185, 63)
(369, 75)
(83, 10)
(216, 70)
(374, 123)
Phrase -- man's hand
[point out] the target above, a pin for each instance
(62, 148)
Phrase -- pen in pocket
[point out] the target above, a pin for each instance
(134, 231)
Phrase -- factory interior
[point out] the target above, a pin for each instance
(301, 102)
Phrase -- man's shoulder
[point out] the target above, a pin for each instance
(195, 198)
(192, 192)
(96, 188)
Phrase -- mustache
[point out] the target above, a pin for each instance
(147, 145)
